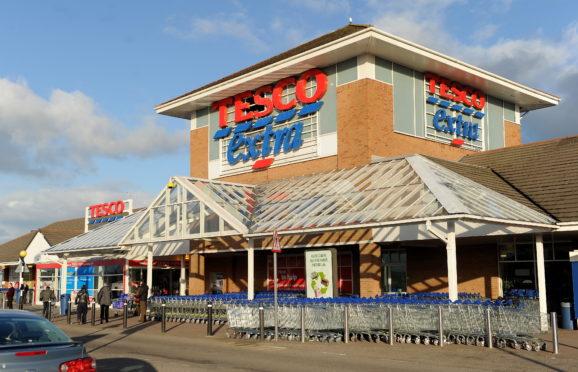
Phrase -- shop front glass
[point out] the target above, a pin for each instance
(94, 278)
(517, 262)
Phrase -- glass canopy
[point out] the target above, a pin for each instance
(400, 189)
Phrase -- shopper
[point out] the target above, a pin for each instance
(10, 296)
(140, 297)
(104, 299)
(24, 292)
(46, 296)
(82, 304)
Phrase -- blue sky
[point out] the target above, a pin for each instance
(79, 80)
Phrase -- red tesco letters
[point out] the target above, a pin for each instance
(271, 97)
(456, 92)
(106, 209)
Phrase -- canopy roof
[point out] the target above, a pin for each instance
(390, 191)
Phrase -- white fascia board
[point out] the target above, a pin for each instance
(452, 217)
(375, 42)
(567, 226)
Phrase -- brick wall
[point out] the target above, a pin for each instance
(369, 269)
(199, 155)
(512, 134)
(477, 269)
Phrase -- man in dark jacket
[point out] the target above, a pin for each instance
(46, 295)
(24, 293)
(141, 296)
(104, 299)
(10, 296)
(82, 302)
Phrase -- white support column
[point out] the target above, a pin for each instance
(183, 279)
(63, 276)
(150, 268)
(540, 267)
(452, 261)
(126, 281)
(251, 270)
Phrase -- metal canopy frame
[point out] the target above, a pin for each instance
(183, 208)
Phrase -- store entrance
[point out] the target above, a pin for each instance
(165, 280)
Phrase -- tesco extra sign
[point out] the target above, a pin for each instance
(106, 209)
(253, 110)
(465, 101)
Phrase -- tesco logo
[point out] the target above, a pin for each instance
(456, 92)
(106, 209)
(271, 96)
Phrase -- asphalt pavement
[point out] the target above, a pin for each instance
(186, 347)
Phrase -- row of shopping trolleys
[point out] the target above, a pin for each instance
(426, 338)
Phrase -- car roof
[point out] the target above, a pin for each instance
(19, 314)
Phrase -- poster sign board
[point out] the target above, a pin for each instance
(320, 271)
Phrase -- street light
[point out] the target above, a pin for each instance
(22, 267)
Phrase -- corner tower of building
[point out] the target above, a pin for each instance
(342, 98)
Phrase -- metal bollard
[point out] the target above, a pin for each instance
(125, 315)
(210, 319)
(163, 317)
(303, 323)
(69, 312)
(93, 314)
(391, 325)
(441, 327)
(49, 311)
(261, 322)
(346, 323)
(489, 328)
(3, 302)
(554, 320)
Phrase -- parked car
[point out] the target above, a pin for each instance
(28, 342)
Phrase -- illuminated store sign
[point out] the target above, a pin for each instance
(259, 115)
(456, 107)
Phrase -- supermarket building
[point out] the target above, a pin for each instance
(375, 148)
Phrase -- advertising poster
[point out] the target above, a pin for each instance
(320, 271)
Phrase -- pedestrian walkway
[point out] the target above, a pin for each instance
(471, 357)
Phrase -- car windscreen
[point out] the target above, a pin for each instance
(19, 330)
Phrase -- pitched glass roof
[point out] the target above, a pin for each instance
(401, 189)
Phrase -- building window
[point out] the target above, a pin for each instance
(394, 270)
(517, 259)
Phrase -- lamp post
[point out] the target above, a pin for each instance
(22, 264)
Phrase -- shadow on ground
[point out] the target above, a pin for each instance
(124, 365)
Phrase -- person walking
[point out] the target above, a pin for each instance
(10, 296)
(141, 296)
(46, 295)
(104, 299)
(24, 292)
(81, 301)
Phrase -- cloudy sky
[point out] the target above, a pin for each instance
(79, 80)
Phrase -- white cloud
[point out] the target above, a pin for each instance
(235, 25)
(67, 131)
(24, 210)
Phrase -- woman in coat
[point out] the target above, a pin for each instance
(82, 299)
(104, 299)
